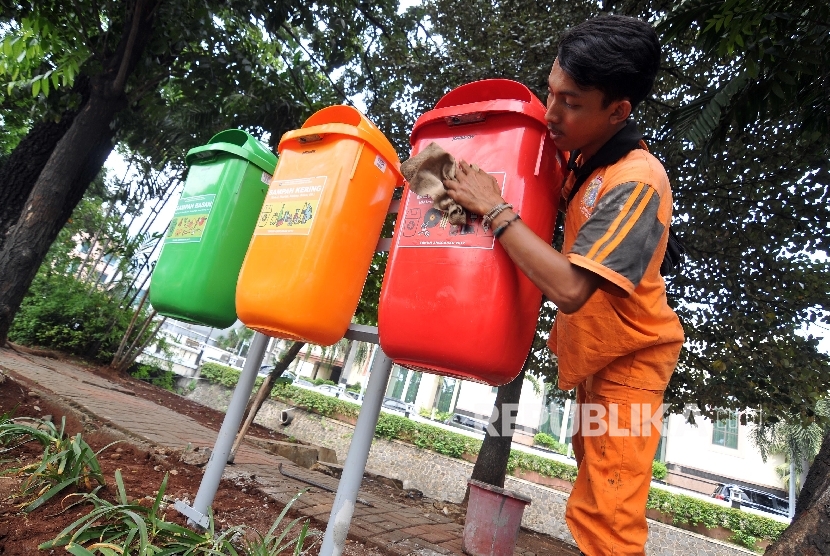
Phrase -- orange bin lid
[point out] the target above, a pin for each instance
(343, 120)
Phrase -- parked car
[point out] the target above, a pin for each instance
(304, 383)
(397, 406)
(352, 396)
(330, 390)
(288, 376)
(466, 422)
(755, 499)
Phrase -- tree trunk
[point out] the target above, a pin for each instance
(20, 172)
(491, 464)
(809, 533)
(75, 161)
(265, 388)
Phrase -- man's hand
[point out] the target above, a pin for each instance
(475, 190)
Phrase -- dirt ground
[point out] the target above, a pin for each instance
(143, 468)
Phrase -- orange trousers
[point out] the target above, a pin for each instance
(606, 509)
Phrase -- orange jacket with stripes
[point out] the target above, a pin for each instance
(617, 226)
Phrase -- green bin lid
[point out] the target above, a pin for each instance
(237, 142)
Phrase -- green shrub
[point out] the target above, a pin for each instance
(541, 465)
(747, 528)
(154, 375)
(551, 443)
(353, 387)
(61, 313)
(659, 470)
(226, 376)
(321, 381)
(440, 416)
(314, 401)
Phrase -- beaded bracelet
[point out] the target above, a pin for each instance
(500, 230)
(495, 211)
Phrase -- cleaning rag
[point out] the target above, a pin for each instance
(425, 173)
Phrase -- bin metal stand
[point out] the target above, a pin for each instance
(198, 513)
(344, 501)
(355, 465)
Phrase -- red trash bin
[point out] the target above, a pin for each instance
(452, 302)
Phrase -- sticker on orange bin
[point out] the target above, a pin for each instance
(426, 226)
(290, 207)
(190, 219)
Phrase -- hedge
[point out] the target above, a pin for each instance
(546, 440)
(747, 528)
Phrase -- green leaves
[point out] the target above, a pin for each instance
(66, 461)
(40, 56)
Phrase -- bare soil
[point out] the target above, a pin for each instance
(143, 468)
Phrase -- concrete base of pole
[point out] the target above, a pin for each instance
(198, 513)
(344, 501)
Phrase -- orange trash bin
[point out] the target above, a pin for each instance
(318, 228)
(452, 302)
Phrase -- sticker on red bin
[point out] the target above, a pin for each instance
(426, 226)
(380, 163)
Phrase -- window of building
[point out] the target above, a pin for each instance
(445, 394)
(396, 382)
(725, 430)
(412, 390)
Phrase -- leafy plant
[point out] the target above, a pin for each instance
(546, 440)
(659, 470)
(62, 313)
(66, 461)
(154, 375)
(270, 544)
(124, 528)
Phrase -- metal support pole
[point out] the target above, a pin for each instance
(355, 465)
(198, 513)
(793, 477)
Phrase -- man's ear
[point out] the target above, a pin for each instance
(621, 111)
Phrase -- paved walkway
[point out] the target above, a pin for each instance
(394, 528)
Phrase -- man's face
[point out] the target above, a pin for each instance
(577, 118)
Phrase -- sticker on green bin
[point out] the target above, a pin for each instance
(190, 219)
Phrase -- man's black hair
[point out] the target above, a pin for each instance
(615, 54)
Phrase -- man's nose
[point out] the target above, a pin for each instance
(552, 113)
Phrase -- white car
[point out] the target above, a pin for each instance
(331, 390)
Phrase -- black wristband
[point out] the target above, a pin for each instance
(500, 230)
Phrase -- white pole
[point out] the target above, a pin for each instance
(198, 513)
(792, 487)
(343, 507)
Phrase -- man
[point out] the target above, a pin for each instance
(616, 338)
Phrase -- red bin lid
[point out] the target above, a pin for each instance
(472, 103)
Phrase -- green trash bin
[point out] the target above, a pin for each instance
(195, 276)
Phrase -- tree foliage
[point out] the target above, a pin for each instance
(159, 79)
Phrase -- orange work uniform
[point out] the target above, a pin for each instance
(619, 352)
